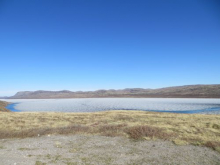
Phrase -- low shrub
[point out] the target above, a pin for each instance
(214, 145)
(139, 132)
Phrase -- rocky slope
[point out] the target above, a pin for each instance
(189, 91)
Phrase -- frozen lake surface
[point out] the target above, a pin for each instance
(177, 105)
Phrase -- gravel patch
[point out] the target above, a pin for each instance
(101, 150)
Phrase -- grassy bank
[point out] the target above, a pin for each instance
(182, 129)
(3, 104)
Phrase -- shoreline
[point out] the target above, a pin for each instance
(11, 107)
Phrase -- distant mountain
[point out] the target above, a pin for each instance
(188, 91)
(3, 97)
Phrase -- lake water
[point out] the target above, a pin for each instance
(176, 105)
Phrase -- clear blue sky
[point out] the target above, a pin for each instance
(108, 44)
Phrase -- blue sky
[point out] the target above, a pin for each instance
(108, 44)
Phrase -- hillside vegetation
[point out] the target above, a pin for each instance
(3, 104)
(189, 91)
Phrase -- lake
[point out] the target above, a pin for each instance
(177, 105)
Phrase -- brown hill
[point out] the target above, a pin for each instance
(189, 91)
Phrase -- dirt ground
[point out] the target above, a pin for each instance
(101, 150)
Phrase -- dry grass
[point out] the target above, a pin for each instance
(180, 128)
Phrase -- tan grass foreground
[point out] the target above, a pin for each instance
(196, 129)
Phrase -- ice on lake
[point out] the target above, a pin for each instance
(177, 105)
